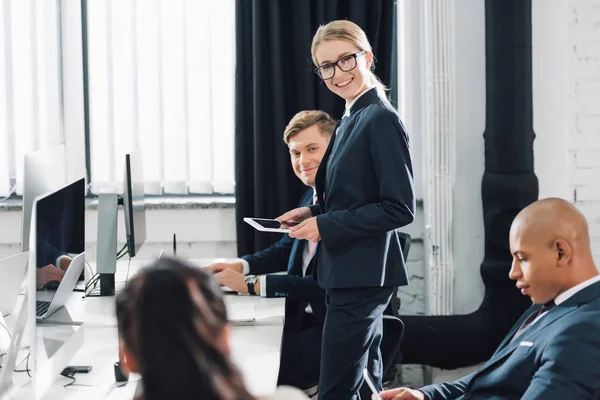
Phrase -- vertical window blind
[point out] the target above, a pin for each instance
(161, 78)
(31, 112)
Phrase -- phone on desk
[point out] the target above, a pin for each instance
(371, 384)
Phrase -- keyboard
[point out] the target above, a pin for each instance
(41, 307)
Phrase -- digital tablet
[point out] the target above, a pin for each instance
(268, 225)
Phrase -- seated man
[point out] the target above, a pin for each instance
(553, 351)
(307, 136)
(54, 237)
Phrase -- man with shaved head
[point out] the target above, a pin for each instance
(553, 351)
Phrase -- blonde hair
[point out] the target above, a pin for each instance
(306, 119)
(349, 32)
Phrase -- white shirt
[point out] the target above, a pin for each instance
(564, 296)
(349, 106)
(59, 259)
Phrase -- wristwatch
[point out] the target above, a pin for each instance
(250, 281)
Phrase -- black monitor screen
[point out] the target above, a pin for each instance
(60, 223)
(133, 202)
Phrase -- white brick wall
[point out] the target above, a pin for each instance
(584, 112)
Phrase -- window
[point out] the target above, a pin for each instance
(160, 78)
(31, 112)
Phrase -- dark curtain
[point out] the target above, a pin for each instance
(274, 80)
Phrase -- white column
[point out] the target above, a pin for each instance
(439, 123)
(550, 84)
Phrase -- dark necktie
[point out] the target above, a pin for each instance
(529, 320)
(312, 246)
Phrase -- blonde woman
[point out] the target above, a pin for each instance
(365, 191)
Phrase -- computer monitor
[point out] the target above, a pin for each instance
(57, 228)
(43, 172)
(60, 223)
(134, 205)
(134, 213)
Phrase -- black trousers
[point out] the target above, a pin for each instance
(351, 337)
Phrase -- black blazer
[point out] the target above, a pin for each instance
(365, 191)
(293, 285)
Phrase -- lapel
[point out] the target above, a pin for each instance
(372, 96)
(516, 327)
(320, 177)
(571, 304)
(341, 136)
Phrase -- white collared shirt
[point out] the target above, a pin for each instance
(564, 296)
(349, 106)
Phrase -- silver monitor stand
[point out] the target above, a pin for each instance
(106, 256)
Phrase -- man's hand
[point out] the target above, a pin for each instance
(308, 230)
(402, 393)
(47, 274)
(218, 267)
(64, 263)
(233, 280)
(294, 216)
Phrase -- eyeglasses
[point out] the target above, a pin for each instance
(346, 63)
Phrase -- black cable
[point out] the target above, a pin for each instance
(92, 283)
(127, 383)
(122, 248)
(70, 373)
(26, 366)
(10, 192)
(70, 383)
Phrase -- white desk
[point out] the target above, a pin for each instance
(255, 345)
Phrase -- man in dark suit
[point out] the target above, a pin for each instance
(307, 136)
(553, 351)
(58, 233)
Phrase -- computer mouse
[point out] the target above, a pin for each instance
(52, 285)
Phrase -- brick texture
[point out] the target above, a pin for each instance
(584, 112)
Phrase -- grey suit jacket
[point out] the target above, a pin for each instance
(558, 357)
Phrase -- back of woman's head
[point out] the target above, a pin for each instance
(349, 32)
(172, 319)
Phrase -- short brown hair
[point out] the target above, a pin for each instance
(306, 119)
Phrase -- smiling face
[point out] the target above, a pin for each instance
(307, 148)
(348, 84)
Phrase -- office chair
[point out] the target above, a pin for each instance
(393, 328)
(394, 306)
(393, 332)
